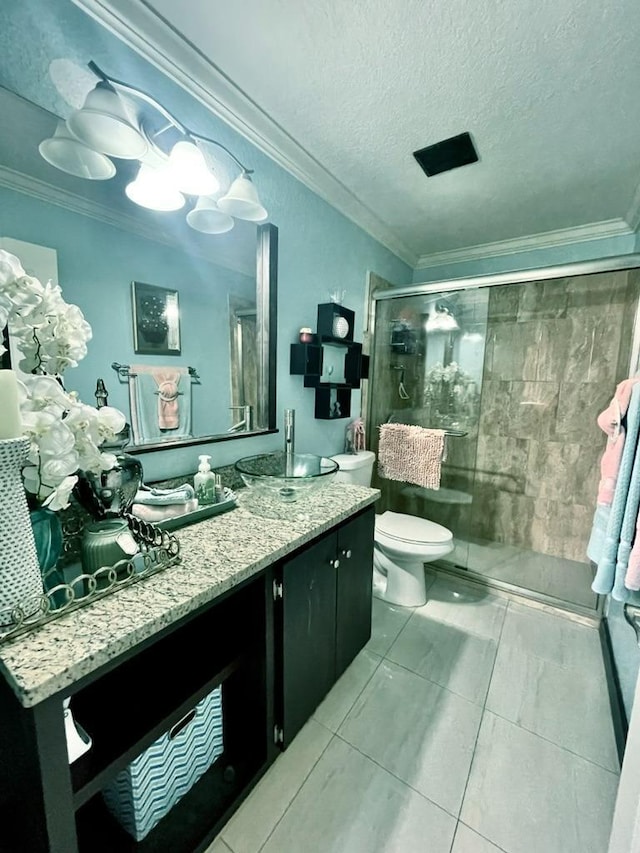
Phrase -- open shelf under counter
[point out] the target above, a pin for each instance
(128, 708)
(196, 818)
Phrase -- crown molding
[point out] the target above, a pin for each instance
(545, 240)
(34, 187)
(155, 40)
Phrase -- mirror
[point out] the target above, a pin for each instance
(187, 318)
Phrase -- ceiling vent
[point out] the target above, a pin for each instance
(447, 155)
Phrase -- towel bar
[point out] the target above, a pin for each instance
(632, 615)
(124, 371)
(456, 433)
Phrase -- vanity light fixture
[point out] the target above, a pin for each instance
(115, 121)
(242, 200)
(108, 124)
(64, 151)
(207, 217)
(153, 189)
(189, 170)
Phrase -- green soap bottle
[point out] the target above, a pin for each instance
(205, 482)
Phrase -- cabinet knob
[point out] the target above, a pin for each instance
(335, 563)
(346, 552)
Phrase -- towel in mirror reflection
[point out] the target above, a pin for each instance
(160, 400)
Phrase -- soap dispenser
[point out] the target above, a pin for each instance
(205, 482)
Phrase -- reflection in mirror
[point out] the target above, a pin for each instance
(197, 336)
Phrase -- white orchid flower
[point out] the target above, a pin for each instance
(90, 458)
(46, 394)
(61, 495)
(51, 336)
(55, 469)
(111, 421)
(10, 268)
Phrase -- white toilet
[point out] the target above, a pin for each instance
(403, 543)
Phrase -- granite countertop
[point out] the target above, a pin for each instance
(217, 554)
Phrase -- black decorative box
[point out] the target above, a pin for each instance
(335, 322)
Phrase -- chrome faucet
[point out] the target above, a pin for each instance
(243, 425)
(289, 432)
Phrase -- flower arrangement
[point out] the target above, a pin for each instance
(452, 374)
(51, 335)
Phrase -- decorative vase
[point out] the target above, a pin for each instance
(20, 580)
(106, 543)
(111, 493)
(47, 534)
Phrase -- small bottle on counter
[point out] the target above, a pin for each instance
(204, 482)
(219, 489)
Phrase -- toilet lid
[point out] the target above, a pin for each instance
(410, 529)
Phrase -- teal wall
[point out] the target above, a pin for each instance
(320, 250)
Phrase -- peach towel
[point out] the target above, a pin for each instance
(610, 422)
(168, 410)
(411, 454)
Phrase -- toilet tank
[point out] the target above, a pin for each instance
(355, 468)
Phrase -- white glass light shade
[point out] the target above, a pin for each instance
(153, 189)
(107, 124)
(68, 154)
(241, 200)
(190, 171)
(441, 321)
(207, 217)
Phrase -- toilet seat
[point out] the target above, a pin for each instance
(410, 530)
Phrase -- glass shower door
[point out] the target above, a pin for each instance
(555, 352)
(427, 370)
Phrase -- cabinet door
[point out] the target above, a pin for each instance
(308, 633)
(354, 588)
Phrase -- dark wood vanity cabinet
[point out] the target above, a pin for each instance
(354, 588)
(276, 643)
(324, 618)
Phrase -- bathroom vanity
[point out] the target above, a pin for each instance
(272, 603)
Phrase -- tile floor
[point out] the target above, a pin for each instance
(566, 580)
(470, 725)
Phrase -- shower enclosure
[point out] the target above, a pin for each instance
(516, 372)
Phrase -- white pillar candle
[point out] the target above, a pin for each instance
(10, 420)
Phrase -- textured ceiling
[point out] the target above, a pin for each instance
(549, 89)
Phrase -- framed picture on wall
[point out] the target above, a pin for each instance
(156, 320)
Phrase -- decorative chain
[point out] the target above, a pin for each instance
(159, 549)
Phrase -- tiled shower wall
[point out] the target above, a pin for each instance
(526, 472)
(555, 351)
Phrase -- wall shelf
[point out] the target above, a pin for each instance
(332, 365)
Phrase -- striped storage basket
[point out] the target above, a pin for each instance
(153, 783)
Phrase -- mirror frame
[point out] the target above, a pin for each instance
(267, 333)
